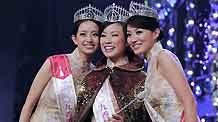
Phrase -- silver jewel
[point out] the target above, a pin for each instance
(142, 10)
(114, 13)
(88, 12)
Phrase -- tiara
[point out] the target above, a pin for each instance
(142, 9)
(88, 12)
(114, 13)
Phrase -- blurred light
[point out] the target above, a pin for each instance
(206, 57)
(158, 5)
(200, 25)
(197, 55)
(192, 5)
(214, 78)
(215, 15)
(216, 100)
(201, 62)
(204, 67)
(192, 83)
(203, 120)
(214, 50)
(190, 55)
(165, 13)
(206, 31)
(191, 22)
(198, 90)
(209, 47)
(171, 31)
(190, 72)
(205, 24)
(215, 33)
(190, 39)
(170, 43)
(172, 2)
(161, 14)
(215, 104)
(213, 41)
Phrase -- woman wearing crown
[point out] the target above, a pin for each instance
(57, 83)
(117, 78)
(169, 98)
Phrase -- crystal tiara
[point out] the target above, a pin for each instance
(142, 10)
(88, 12)
(114, 13)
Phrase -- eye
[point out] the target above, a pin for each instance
(103, 35)
(139, 32)
(95, 34)
(115, 34)
(82, 34)
(128, 34)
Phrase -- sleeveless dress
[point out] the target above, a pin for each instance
(58, 100)
(161, 101)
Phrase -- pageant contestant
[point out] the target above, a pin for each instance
(169, 97)
(118, 77)
(57, 83)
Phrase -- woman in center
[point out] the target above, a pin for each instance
(117, 79)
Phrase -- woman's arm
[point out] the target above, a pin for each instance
(171, 69)
(35, 92)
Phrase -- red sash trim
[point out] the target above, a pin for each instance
(60, 66)
(182, 117)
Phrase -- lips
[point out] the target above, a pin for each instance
(108, 48)
(136, 45)
(89, 46)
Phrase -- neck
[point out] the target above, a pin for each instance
(119, 61)
(80, 64)
(80, 58)
(148, 54)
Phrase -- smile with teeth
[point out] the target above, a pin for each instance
(89, 45)
(136, 45)
(109, 48)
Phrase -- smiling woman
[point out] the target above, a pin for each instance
(116, 79)
(170, 98)
(113, 41)
(57, 83)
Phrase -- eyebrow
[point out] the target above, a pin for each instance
(85, 31)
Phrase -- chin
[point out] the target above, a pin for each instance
(137, 52)
(89, 52)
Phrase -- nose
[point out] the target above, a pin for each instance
(107, 40)
(89, 38)
(131, 40)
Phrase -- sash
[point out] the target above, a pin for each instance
(103, 105)
(63, 86)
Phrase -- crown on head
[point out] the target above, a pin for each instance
(142, 10)
(114, 13)
(88, 12)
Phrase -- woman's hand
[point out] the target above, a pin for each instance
(116, 118)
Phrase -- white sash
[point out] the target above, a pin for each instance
(103, 104)
(66, 96)
(65, 93)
